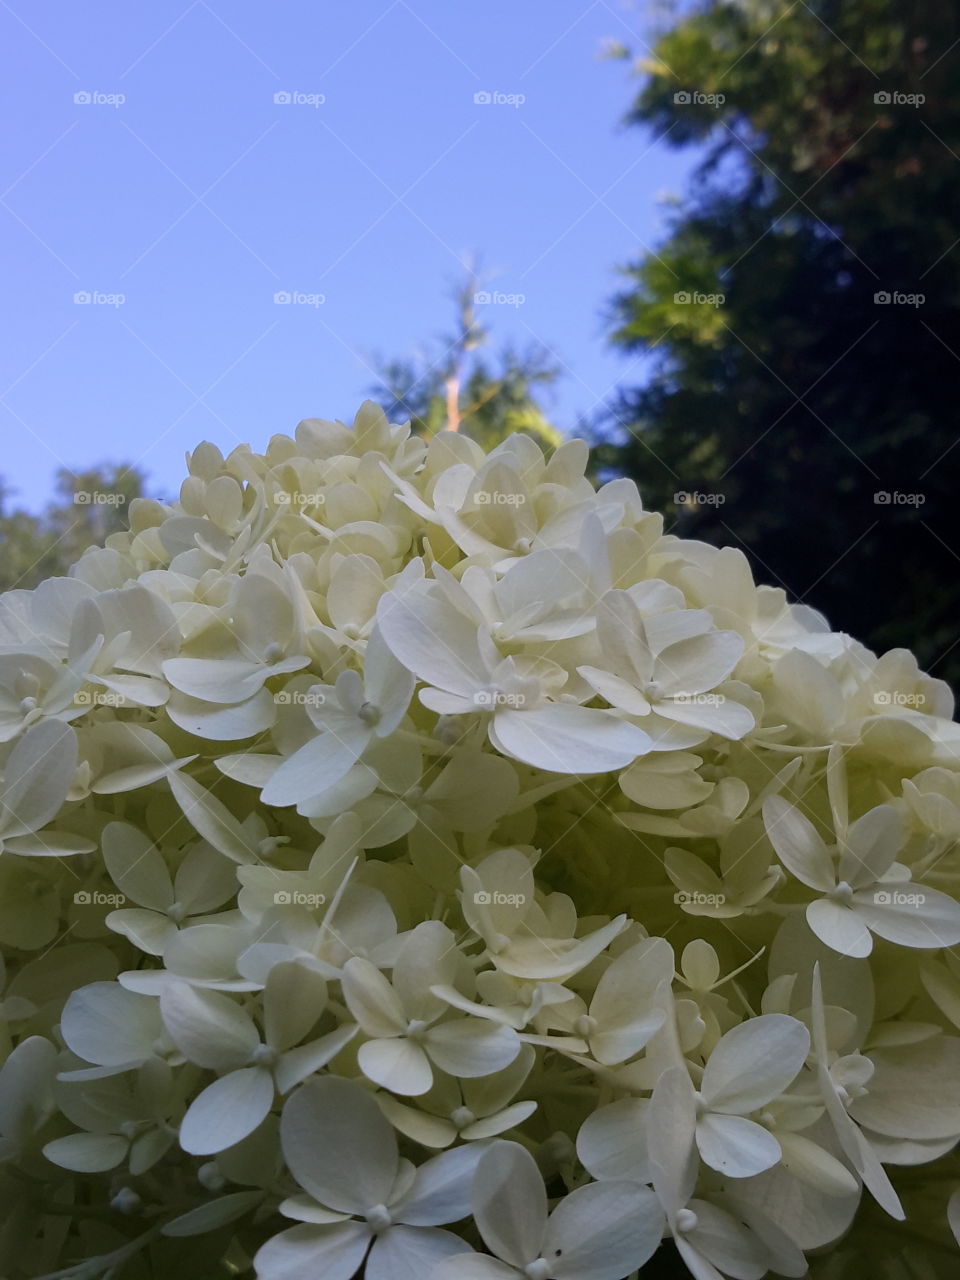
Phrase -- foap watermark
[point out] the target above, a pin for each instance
(693, 898)
(298, 898)
(897, 898)
(894, 498)
(494, 98)
(299, 698)
(295, 98)
(498, 498)
(494, 898)
(94, 898)
(298, 498)
(694, 98)
(894, 98)
(888, 298)
(897, 698)
(484, 298)
(693, 297)
(99, 698)
(697, 498)
(98, 498)
(699, 699)
(95, 98)
(490, 698)
(296, 298)
(95, 298)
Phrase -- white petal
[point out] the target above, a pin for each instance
(912, 916)
(38, 773)
(338, 1145)
(603, 1231)
(840, 927)
(432, 639)
(227, 1111)
(471, 1046)
(334, 1252)
(872, 844)
(754, 1063)
(223, 723)
(316, 766)
(735, 1146)
(399, 1065)
(567, 739)
(372, 1000)
(410, 1253)
(136, 867)
(612, 1142)
(208, 1027)
(440, 1191)
(106, 1024)
(510, 1203)
(797, 843)
(212, 819)
(87, 1152)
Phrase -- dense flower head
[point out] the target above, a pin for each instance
(415, 860)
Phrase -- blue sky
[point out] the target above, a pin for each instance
(198, 197)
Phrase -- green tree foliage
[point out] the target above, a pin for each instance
(460, 388)
(89, 505)
(785, 409)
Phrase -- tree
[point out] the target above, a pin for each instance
(88, 507)
(458, 390)
(804, 310)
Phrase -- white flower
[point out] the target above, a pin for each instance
(599, 1232)
(363, 1203)
(750, 1066)
(251, 1069)
(350, 716)
(865, 890)
(467, 674)
(403, 1019)
(204, 880)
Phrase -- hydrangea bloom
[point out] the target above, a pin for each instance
(415, 863)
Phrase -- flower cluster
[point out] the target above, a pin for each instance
(414, 861)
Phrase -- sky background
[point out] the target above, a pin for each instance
(199, 197)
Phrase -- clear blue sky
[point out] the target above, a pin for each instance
(199, 198)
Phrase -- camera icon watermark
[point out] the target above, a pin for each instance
(494, 898)
(897, 898)
(489, 699)
(484, 298)
(696, 498)
(893, 98)
(294, 98)
(298, 898)
(298, 499)
(896, 698)
(95, 298)
(894, 498)
(98, 498)
(99, 698)
(693, 297)
(693, 898)
(496, 498)
(894, 298)
(94, 898)
(296, 298)
(94, 98)
(694, 98)
(299, 698)
(486, 98)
